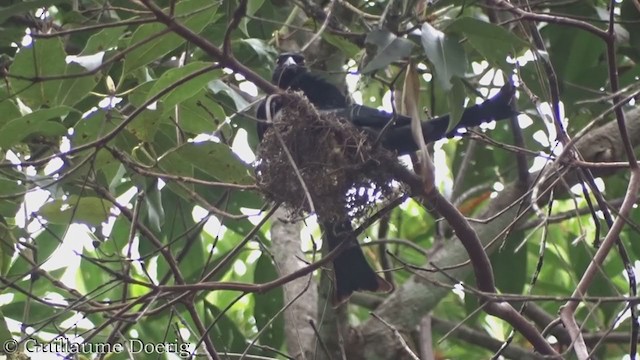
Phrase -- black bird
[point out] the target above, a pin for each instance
(291, 73)
(351, 269)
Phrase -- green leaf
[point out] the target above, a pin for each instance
(12, 194)
(341, 43)
(493, 42)
(260, 47)
(7, 246)
(218, 86)
(31, 309)
(224, 332)
(146, 124)
(445, 53)
(509, 266)
(35, 123)
(455, 98)
(90, 277)
(601, 284)
(216, 160)
(268, 305)
(75, 88)
(91, 127)
(200, 114)
(46, 58)
(185, 90)
(180, 224)
(103, 40)
(630, 13)
(390, 48)
(8, 108)
(194, 14)
(5, 334)
(173, 163)
(89, 210)
(44, 244)
(252, 7)
(153, 206)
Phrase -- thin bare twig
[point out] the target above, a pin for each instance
(397, 334)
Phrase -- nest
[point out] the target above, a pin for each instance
(343, 171)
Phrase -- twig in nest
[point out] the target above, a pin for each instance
(306, 155)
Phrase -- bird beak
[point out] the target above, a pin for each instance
(289, 62)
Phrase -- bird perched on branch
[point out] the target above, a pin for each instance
(352, 272)
(291, 73)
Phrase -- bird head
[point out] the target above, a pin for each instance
(288, 67)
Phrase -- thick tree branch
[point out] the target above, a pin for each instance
(299, 335)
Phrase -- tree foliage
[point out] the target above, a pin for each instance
(129, 207)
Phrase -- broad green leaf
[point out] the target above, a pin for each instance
(342, 44)
(216, 160)
(36, 310)
(390, 48)
(173, 163)
(75, 88)
(7, 37)
(493, 42)
(252, 7)
(8, 108)
(455, 98)
(200, 114)
(146, 124)
(180, 228)
(510, 266)
(194, 14)
(5, 334)
(630, 13)
(44, 244)
(103, 40)
(256, 54)
(12, 194)
(195, 257)
(574, 54)
(268, 305)
(185, 90)
(46, 58)
(153, 327)
(44, 122)
(218, 86)
(118, 238)
(7, 246)
(89, 210)
(224, 333)
(445, 53)
(601, 285)
(261, 48)
(90, 277)
(153, 206)
(92, 127)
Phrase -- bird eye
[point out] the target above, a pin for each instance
(299, 59)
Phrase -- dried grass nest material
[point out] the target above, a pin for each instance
(339, 163)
